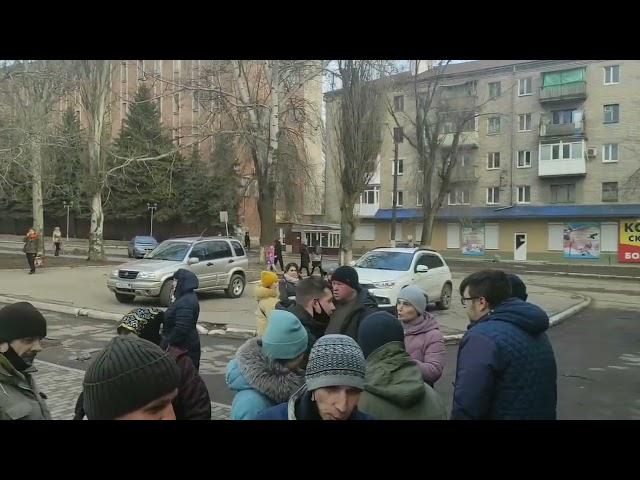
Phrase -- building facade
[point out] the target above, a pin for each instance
(549, 167)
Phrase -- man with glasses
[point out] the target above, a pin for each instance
(506, 367)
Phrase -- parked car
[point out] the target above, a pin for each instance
(139, 246)
(384, 271)
(220, 263)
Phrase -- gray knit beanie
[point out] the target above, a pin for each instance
(335, 360)
(127, 375)
(415, 296)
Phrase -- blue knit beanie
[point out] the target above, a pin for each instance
(285, 337)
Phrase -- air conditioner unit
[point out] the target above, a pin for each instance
(592, 152)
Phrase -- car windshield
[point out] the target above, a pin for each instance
(381, 260)
(145, 240)
(174, 251)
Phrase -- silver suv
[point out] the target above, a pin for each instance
(219, 263)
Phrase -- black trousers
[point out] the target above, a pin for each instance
(319, 265)
(57, 244)
(305, 267)
(279, 262)
(31, 259)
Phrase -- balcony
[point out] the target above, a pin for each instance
(365, 209)
(563, 92)
(548, 129)
(467, 139)
(465, 174)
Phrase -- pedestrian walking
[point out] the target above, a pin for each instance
(393, 385)
(271, 258)
(316, 260)
(57, 240)
(352, 302)
(278, 253)
(506, 367)
(288, 285)
(192, 401)
(31, 249)
(314, 307)
(22, 328)
(266, 371)
(266, 294)
(181, 317)
(304, 259)
(247, 241)
(131, 379)
(334, 380)
(422, 336)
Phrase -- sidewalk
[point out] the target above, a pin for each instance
(82, 291)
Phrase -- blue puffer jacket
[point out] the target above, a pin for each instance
(506, 366)
(181, 318)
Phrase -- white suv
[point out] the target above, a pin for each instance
(384, 271)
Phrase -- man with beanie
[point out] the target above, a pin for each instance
(266, 371)
(334, 381)
(393, 386)
(353, 303)
(131, 379)
(266, 293)
(422, 336)
(313, 307)
(22, 328)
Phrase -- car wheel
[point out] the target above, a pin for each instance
(165, 293)
(445, 297)
(236, 286)
(124, 298)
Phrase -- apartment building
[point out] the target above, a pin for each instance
(549, 167)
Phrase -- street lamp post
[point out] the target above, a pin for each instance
(152, 207)
(67, 205)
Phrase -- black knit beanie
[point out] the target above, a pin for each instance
(346, 275)
(377, 330)
(21, 320)
(127, 375)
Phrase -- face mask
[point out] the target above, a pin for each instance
(322, 316)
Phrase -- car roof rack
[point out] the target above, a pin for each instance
(415, 249)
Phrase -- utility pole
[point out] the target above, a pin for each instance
(394, 204)
(67, 205)
(152, 207)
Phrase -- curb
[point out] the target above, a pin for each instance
(587, 275)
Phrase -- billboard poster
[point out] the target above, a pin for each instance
(629, 245)
(473, 240)
(581, 240)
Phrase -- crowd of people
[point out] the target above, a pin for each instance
(323, 350)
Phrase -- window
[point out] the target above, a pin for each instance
(398, 103)
(493, 195)
(176, 103)
(398, 134)
(200, 251)
(524, 194)
(524, 122)
(561, 151)
(123, 72)
(430, 261)
(524, 159)
(237, 248)
(195, 104)
(157, 68)
(459, 196)
(610, 152)
(612, 113)
(365, 232)
(524, 86)
(612, 75)
(219, 249)
(334, 240)
(419, 199)
(494, 89)
(565, 193)
(562, 117)
(141, 70)
(610, 192)
(400, 168)
(370, 196)
(493, 125)
(493, 160)
(399, 198)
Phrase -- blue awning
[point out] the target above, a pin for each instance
(519, 212)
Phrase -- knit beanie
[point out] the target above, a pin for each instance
(347, 275)
(415, 296)
(127, 375)
(21, 320)
(335, 361)
(144, 322)
(285, 337)
(518, 288)
(377, 330)
(268, 278)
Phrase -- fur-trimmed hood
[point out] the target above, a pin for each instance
(264, 374)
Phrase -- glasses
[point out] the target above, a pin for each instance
(464, 300)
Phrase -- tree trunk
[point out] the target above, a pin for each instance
(36, 193)
(347, 227)
(96, 244)
(429, 212)
(267, 213)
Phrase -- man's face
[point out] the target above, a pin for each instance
(476, 308)
(326, 302)
(406, 312)
(342, 291)
(336, 403)
(27, 348)
(160, 409)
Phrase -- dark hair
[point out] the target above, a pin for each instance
(310, 287)
(289, 265)
(493, 285)
(518, 288)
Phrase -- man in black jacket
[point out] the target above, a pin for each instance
(314, 307)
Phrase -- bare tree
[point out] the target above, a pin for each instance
(358, 128)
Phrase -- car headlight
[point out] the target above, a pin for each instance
(146, 276)
(114, 273)
(384, 284)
